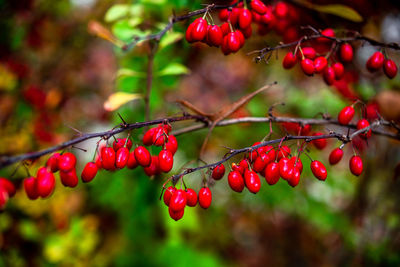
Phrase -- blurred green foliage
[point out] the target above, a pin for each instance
(118, 220)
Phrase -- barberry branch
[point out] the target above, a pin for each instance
(315, 35)
(301, 121)
(174, 19)
(8, 160)
(234, 152)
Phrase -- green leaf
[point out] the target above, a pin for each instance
(173, 69)
(122, 73)
(124, 31)
(335, 9)
(116, 12)
(341, 11)
(154, 2)
(170, 38)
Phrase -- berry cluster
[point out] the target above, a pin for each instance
(111, 158)
(272, 164)
(378, 60)
(177, 199)
(236, 26)
(312, 63)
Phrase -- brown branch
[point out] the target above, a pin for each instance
(357, 37)
(149, 78)
(174, 19)
(234, 152)
(301, 121)
(6, 160)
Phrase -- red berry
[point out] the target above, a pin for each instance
(283, 152)
(233, 42)
(335, 156)
(356, 165)
(148, 137)
(191, 197)
(225, 28)
(122, 157)
(98, 162)
(346, 52)
(67, 162)
(252, 181)
(238, 168)
(329, 75)
(234, 16)
(245, 18)
(132, 162)
(295, 178)
(171, 144)
(214, 35)
(89, 172)
(261, 162)
(205, 197)
(361, 124)
(244, 163)
(235, 181)
(52, 162)
(167, 127)
(154, 167)
(270, 151)
(45, 184)
(289, 60)
(389, 68)
(268, 19)
(218, 172)
(307, 65)
(327, 32)
(253, 154)
(120, 142)
(30, 186)
(320, 64)
(319, 170)
(339, 70)
(272, 173)
(108, 158)
(258, 7)
(142, 156)
(308, 52)
(281, 10)
(223, 14)
(8, 186)
(241, 38)
(375, 62)
(188, 34)
(165, 160)
(178, 200)
(159, 136)
(285, 168)
(296, 162)
(199, 30)
(69, 179)
(168, 194)
(320, 143)
(176, 215)
(346, 115)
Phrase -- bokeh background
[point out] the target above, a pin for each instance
(55, 76)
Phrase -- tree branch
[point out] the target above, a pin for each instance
(302, 121)
(357, 37)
